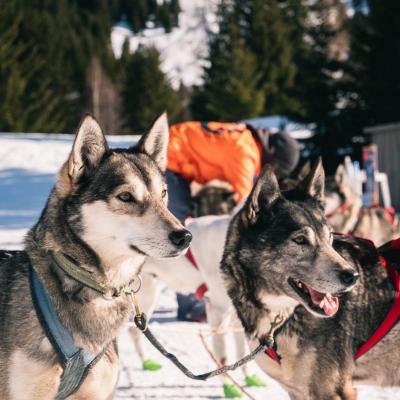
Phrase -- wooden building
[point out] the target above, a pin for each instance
(387, 138)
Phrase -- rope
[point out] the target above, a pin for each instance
(229, 376)
(191, 331)
(141, 323)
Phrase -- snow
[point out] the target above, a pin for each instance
(277, 123)
(188, 41)
(28, 164)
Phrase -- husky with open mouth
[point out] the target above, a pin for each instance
(281, 259)
(64, 298)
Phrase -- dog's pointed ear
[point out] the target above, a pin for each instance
(341, 175)
(314, 183)
(88, 149)
(304, 170)
(265, 192)
(155, 143)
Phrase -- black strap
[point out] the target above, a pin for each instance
(76, 361)
(141, 323)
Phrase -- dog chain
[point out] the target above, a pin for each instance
(265, 343)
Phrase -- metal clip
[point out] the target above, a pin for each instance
(141, 322)
(278, 321)
(130, 289)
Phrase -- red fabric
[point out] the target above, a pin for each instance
(202, 289)
(271, 353)
(190, 257)
(393, 315)
(340, 210)
(389, 213)
(200, 292)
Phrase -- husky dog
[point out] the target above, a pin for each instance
(346, 213)
(214, 198)
(106, 214)
(280, 259)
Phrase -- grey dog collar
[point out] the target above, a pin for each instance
(86, 278)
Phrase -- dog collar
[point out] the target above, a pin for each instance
(86, 278)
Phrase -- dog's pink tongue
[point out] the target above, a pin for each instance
(330, 303)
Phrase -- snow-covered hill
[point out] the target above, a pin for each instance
(184, 48)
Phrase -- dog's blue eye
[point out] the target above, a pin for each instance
(126, 197)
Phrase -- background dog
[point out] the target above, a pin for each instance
(346, 214)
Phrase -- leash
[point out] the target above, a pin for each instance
(266, 342)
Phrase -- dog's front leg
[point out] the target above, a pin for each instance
(334, 385)
(32, 379)
(215, 319)
(348, 392)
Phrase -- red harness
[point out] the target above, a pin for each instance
(390, 255)
(340, 210)
(389, 213)
(202, 289)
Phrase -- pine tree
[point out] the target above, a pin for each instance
(375, 62)
(314, 87)
(267, 37)
(26, 98)
(55, 42)
(251, 68)
(146, 91)
(231, 90)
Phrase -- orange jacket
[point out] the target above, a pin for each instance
(215, 150)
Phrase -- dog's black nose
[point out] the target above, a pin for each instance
(181, 239)
(349, 277)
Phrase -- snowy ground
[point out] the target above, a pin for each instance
(28, 164)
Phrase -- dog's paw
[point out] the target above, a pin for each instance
(255, 381)
(231, 391)
(150, 365)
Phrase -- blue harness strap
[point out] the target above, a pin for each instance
(76, 361)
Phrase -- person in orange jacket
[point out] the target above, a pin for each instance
(232, 152)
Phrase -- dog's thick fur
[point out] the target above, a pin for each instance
(281, 236)
(108, 211)
(366, 222)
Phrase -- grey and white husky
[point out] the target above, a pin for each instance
(106, 213)
(281, 258)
